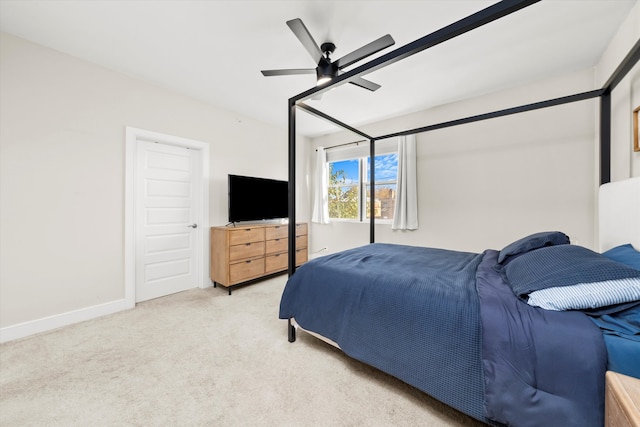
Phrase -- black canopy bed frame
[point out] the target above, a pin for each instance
(462, 26)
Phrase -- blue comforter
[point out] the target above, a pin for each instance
(415, 313)
(541, 367)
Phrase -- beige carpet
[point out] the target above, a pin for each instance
(201, 358)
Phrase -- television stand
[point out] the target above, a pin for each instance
(249, 253)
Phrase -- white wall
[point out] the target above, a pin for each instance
(484, 184)
(62, 153)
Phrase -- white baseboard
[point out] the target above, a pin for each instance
(32, 327)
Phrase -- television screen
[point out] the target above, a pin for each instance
(253, 198)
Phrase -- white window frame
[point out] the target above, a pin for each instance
(361, 153)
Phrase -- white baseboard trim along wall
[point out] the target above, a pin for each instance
(45, 324)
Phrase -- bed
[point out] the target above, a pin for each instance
(470, 341)
(468, 328)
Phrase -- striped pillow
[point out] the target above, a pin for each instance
(586, 295)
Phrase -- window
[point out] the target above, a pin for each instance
(344, 189)
(386, 174)
(350, 189)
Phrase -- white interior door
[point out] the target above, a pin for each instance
(167, 183)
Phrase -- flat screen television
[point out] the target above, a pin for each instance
(252, 199)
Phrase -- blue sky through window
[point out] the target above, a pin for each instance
(386, 167)
(350, 167)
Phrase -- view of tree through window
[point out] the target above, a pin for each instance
(344, 189)
(350, 190)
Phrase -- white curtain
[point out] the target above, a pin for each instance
(405, 216)
(321, 190)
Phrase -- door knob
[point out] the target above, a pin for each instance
(193, 225)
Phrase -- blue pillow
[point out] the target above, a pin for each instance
(624, 254)
(534, 241)
(570, 277)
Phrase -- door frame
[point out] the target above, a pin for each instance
(133, 135)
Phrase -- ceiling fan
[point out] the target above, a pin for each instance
(328, 69)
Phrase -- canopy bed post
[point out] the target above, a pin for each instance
(292, 189)
(605, 137)
(372, 191)
(291, 331)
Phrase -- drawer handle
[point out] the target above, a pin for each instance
(247, 244)
(248, 262)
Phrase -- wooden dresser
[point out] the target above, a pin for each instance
(622, 401)
(246, 253)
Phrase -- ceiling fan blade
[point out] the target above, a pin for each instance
(288, 72)
(301, 32)
(366, 50)
(364, 83)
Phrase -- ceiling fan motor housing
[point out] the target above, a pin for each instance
(326, 69)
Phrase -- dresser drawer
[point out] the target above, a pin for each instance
(277, 245)
(276, 232)
(301, 229)
(276, 262)
(301, 241)
(245, 270)
(301, 256)
(247, 250)
(246, 235)
(280, 262)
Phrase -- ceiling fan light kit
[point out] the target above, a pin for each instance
(326, 70)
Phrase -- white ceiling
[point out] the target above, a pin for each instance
(213, 50)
